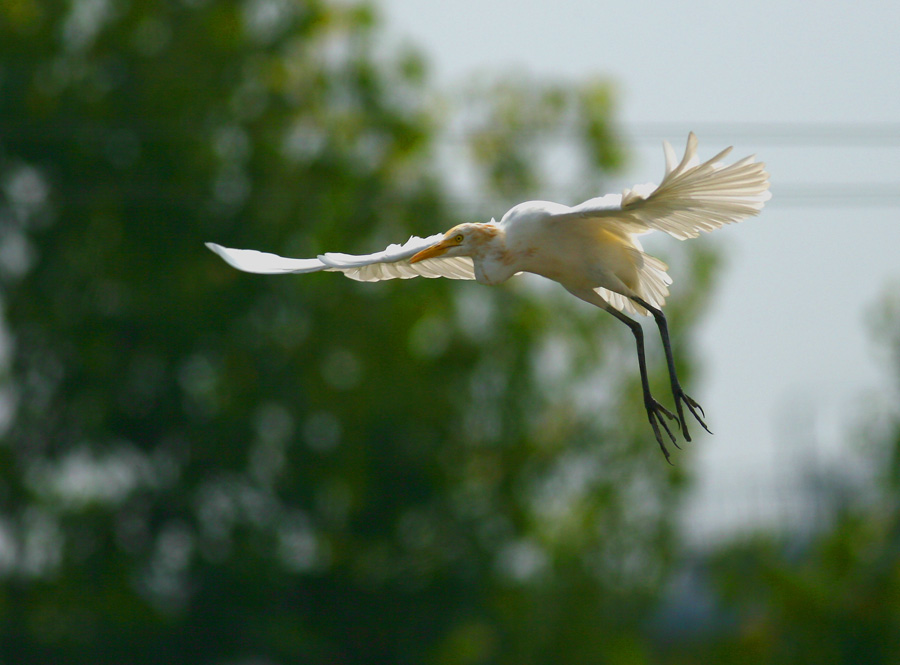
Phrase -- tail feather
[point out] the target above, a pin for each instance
(652, 285)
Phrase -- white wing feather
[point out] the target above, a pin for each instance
(691, 198)
(263, 263)
(391, 263)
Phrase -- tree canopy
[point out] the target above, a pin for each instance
(204, 466)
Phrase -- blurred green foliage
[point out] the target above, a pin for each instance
(204, 466)
(826, 596)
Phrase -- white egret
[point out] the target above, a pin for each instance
(591, 249)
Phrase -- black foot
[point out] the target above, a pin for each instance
(693, 407)
(655, 412)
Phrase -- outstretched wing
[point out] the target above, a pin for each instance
(263, 263)
(691, 198)
(391, 263)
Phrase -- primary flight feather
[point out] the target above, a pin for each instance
(592, 249)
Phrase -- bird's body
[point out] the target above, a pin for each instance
(591, 249)
(579, 253)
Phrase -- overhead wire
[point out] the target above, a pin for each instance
(867, 135)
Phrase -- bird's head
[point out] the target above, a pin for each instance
(462, 240)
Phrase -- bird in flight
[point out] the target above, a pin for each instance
(591, 249)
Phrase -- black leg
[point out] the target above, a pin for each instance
(677, 392)
(655, 410)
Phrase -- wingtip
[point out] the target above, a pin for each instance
(671, 157)
(687, 161)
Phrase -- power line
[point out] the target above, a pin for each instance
(874, 134)
(842, 195)
(871, 135)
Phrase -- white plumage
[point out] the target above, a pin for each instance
(391, 263)
(592, 249)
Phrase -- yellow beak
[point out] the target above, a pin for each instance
(433, 251)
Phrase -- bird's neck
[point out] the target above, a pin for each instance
(493, 262)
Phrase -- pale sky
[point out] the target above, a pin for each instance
(789, 365)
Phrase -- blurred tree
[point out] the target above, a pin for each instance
(203, 466)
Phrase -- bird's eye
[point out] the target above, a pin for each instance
(458, 238)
